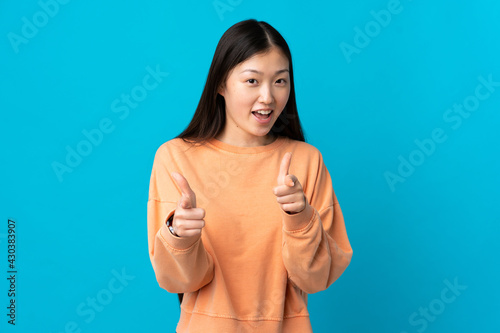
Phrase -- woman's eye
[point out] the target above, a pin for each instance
(252, 81)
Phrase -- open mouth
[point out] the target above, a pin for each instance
(262, 116)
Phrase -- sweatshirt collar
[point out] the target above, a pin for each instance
(247, 150)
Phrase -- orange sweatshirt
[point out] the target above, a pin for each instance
(254, 264)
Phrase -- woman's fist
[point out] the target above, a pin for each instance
(188, 220)
(289, 192)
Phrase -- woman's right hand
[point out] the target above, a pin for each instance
(188, 220)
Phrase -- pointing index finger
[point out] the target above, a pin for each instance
(284, 168)
(185, 188)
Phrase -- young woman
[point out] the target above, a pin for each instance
(242, 217)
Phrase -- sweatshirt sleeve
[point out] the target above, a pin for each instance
(316, 250)
(181, 265)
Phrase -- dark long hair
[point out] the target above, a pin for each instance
(240, 42)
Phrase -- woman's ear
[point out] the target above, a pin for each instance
(221, 90)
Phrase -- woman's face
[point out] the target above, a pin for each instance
(261, 82)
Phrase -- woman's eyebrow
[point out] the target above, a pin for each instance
(256, 71)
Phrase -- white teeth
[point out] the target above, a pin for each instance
(264, 112)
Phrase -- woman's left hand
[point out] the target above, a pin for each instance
(289, 193)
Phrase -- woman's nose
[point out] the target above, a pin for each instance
(266, 95)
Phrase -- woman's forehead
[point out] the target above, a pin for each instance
(273, 62)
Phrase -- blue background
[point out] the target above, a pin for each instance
(362, 110)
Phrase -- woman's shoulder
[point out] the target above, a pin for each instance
(302, 148)
(175, 144)
(172, 143)
(177, 148)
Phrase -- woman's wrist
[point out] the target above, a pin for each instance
(170, 226)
